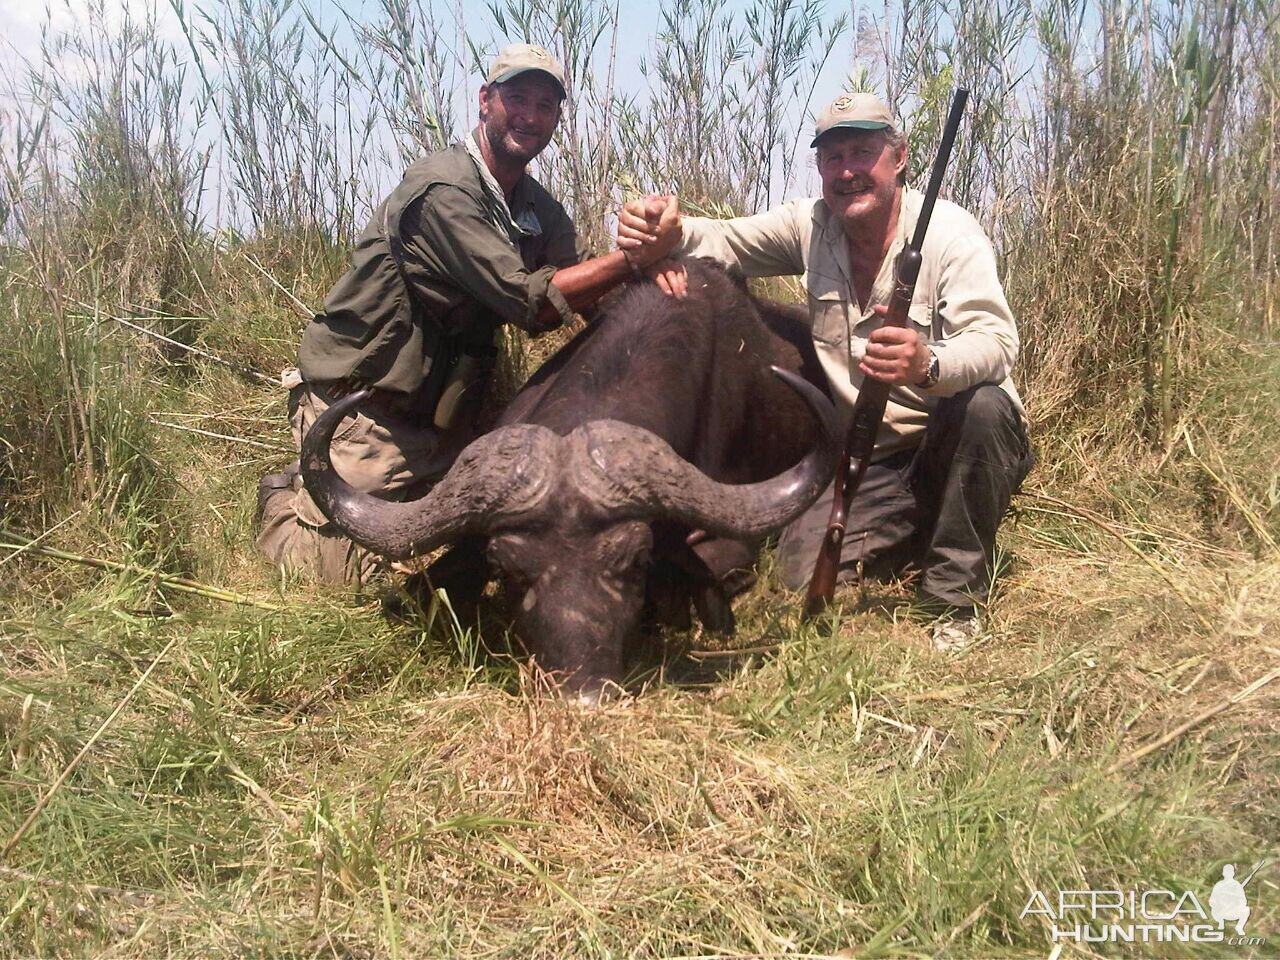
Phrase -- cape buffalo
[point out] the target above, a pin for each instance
(655, 447)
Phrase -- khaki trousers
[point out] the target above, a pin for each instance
(379, 450)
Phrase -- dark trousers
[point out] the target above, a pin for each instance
(936, 507)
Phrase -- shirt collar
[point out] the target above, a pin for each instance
(524, 222)
(833, 236)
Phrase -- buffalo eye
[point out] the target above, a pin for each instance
(512, 556)
(624, 550)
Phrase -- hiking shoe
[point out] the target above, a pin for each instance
(955, 631)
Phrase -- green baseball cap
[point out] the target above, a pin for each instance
(852, 111)
(521, 57)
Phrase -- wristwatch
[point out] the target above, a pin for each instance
(931, 375)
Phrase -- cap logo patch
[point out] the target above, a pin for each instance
(842, 104)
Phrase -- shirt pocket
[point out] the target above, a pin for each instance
(829, 307)
(922, 316)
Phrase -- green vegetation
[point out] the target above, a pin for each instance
(225, 764)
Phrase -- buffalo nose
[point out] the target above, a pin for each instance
(598, 695)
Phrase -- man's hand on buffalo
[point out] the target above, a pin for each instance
(898, 356)
(671, 278)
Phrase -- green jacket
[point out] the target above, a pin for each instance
(434, 263)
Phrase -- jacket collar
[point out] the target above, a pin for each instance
(519, 218)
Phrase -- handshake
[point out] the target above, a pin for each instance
(648, 230)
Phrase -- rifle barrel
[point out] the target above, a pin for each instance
(1260, 865)
(949, 132)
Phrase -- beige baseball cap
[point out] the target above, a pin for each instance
(520, 57)
(852, 111)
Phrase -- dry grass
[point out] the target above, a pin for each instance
(322, 782)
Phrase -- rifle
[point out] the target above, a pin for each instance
(868, 412)
(1260, 865)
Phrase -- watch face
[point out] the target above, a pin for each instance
(931, 374)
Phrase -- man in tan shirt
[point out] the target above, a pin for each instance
(953, 447)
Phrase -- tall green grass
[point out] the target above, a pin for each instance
(1120, 155)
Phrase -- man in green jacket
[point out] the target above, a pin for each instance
(953, 446)
(468, 241)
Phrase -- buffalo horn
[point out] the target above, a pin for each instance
(638, 475)
(504, 472)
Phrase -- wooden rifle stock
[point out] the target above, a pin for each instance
(873, 397)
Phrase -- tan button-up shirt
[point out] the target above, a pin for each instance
(959, 305)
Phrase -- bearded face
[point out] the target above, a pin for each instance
(859, 170)
(519, 116)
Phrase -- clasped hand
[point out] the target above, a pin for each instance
(648, 230)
